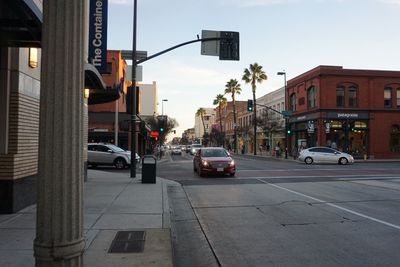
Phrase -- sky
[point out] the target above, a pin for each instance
(281, 35)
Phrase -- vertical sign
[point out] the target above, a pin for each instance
(98, 34)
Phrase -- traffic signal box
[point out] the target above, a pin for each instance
(250, 105)
(162, 124)
(229, 46)
(129, 100)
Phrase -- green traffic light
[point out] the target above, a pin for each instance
(161, 129)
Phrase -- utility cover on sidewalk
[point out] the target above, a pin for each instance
(128, 242)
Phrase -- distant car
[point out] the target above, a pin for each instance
(176, 150)
(213, 160)
(108, 154)
(188, 147)
(325, 155)
(194, 148)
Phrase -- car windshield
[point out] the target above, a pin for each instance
(214, 153)
(115, 148)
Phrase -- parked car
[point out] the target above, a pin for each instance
(108, 154)
(213, 160)
(194, 148)
(324, 155)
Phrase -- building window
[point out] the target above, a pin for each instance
(387, 97)
(398, 98)
(340, 96)
(293, 102)
(352, 96)
(311, 97)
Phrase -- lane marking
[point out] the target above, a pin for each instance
(339, 178)
(335, 206)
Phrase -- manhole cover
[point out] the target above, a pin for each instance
(128, 242)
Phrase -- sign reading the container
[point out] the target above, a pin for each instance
(98, 34)
(310, 126)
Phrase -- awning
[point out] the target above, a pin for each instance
(20, 23)
(99, 94)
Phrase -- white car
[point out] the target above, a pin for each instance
(194, 148)
(325, 155)
(108, 154)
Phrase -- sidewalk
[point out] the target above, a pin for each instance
(112, 202)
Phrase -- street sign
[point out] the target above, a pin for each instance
(286, 113)
(210, 48)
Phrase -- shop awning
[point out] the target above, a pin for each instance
(20, 23)
(99, 94)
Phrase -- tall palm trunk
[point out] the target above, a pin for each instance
(220, 127)
(255, 122)
(234, 125)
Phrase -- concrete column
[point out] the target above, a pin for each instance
(59, 230)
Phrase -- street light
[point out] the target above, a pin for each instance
(162, 106)
(286, 135)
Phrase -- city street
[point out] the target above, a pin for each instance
(285, 213)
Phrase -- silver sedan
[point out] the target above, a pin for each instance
(325, 155)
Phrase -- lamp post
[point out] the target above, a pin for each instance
(133, 88)
(162, 106)
(286, 135)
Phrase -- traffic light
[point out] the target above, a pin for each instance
(250, 105)
(288, 131)
(229, 46)
(162, 123)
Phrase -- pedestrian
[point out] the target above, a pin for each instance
(277, 150)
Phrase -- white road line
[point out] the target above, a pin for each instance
(339, 178)
(336, 206)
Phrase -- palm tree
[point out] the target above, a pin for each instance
(221, 101)
(233, 87)
(253, 76)
(201, 112)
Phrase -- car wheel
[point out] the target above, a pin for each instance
(343, 161)
(232, 174)
(119, 163)
(194, 168)
(92, 165)
(308, 160)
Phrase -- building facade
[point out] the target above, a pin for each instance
(355, 111)
(209, 120)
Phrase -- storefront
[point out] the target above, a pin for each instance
(347, 132)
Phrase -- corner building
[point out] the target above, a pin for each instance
(355, 111)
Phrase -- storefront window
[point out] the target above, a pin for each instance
(395, 139)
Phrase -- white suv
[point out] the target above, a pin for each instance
(108, 154)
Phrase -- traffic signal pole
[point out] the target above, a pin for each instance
(133, 88)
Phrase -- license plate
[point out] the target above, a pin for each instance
(220, 169)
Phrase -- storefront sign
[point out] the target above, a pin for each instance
(347, 115)
(98, 34)
(310, 126)
(327, 127)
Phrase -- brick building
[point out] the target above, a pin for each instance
(357, 111)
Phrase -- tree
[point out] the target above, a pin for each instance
(201, 112)
(221, 101)
(253, 76)
(233, 87)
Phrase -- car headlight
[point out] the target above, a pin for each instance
(204, 162)
(232, 163)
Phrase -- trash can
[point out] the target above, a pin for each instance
(149, 169)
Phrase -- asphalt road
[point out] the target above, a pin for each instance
(284, 213)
